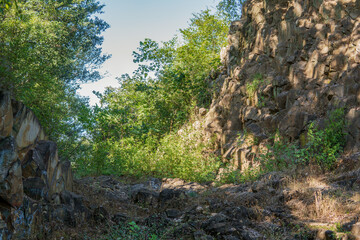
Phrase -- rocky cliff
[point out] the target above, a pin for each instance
(34, 185)
(288, 63)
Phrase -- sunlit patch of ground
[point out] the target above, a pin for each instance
(325, 201)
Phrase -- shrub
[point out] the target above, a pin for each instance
(253, 86)
(132, 231)
(181, 154)
(237, 176)
(322, 146)
(184, 156)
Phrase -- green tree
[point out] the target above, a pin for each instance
(199, 53)
(134, 119)
(48, 48)
(230, 9)
(6, 4)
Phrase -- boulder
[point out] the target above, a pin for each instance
(145, 196)
(15, 193)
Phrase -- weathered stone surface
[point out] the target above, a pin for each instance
(6, 116)
(305, 66)
(145, 196)
(119, 218)
(173, 213)
(32, 179)
(353, 120)
(35, 188)
(7, 156)
(170, 194)
(26, 128)
(11, 188)
(355, 230)
(15, 194)
(43, 162)
(47, 159)
(293, 123)
(67, 175)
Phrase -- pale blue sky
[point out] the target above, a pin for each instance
(131, 21)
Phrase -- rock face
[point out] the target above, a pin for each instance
(32, 180)
(288, 63)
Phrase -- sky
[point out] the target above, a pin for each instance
(131, 21)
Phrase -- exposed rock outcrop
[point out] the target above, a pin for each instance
(32, 179)
(288, 63)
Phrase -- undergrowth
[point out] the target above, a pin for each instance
(322, 146)
(253, 86)
(132, 231)
(183, 154)
(180, 154)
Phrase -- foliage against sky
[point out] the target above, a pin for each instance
(47, 49)
(158, 98)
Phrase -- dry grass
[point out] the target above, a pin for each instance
(313, 199)
(356, 198)
(309, 182)
(326, 208)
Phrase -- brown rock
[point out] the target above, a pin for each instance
(202, 111)
(16, 193)
(281, 100)
(293, 123)
(43, 162)
(26, 128)
(67, 175)
(35, 188)
(6, 115)
(10, 173)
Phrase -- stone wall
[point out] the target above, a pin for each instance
(32, 180)
(307, 56)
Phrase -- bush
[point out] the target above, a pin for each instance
(322, 146)
(181, 154)
(184, 155)
(253, 86)
(132, 231)
(237, 177)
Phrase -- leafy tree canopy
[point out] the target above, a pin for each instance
(230, 9)
(47, 49)
(158, 98)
